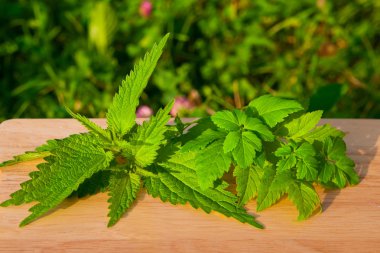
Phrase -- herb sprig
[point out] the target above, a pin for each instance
(273, 147)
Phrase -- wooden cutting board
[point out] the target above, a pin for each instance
(350, 221)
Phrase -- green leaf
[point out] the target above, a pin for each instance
(226, 120)
(274, 109)
(75, 160)
(272, 187)
(257, 126)
(148, 138)
(307, 169)
(40, 152)
(286, 163)
(121, 114)
(91, 126)
(202, 140)
(298, 127)
(344, 166)
(245, 151)
(320, 133)
(208, 168)
(231, 141)
(247, 182)
(123, 188)
(178, 184)
(304, 196)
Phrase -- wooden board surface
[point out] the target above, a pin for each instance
(350, 221)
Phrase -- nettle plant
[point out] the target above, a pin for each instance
(272, 148)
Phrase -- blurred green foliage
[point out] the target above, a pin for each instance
(222, 54)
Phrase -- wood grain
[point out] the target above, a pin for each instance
(350, 221)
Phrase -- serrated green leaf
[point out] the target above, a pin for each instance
(326, 173)
(231, 141)
(91, 126)
(178, 184)
(123, 189)
(284, 150)
(272, 187)
(286, 163)
(148, 138)
(75, 160)
(274, 110)
(208, 168)
(307, 169)
(257, 126)
(121, 114)
(245, 151)
(298, 127)
(344, 166)
(202, 140)
(304, 196)
(40, 152)
(320, 133)
(305, 151)
(247, 182)
(226, 120)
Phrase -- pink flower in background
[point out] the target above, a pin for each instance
(144, 111)
(146, 8)
(180, 103)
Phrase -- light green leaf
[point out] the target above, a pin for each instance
(304, 196)
(91, 126)
(226, 120)
(274, 109)
(272, 187)
(247, 182)
(148, 138)
(121, 114)
(320, 133)
(75, 160)
(178, 184)
(211, 164)
(287, 163)
(245, 151)
(231, 141)
(123, 188)
(298, 127)
(202, 140)
(257, 126)
(307, 169)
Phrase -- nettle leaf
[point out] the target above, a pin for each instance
(247, 182)
(123, 190)
(231, 141)
(148, 138)
(226, 120)
(40, 152)
(274, 110)
(257, 126)
(338, 165)
(121, 114)
(200, 142)
(272, 187)
(91, 126)
(304, 196)
(321, 133)
(298, 127)
(211, 168)
(75, 160)
(177, 183)
(245, 150)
